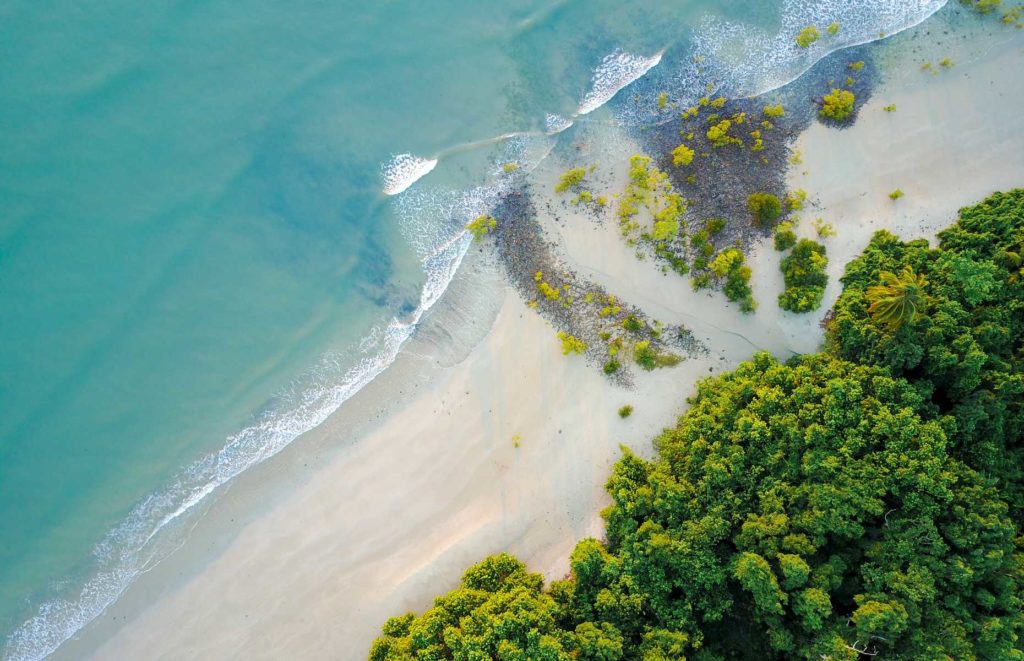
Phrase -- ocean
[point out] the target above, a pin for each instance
(219, 220)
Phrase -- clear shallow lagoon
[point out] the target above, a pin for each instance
(197, 259)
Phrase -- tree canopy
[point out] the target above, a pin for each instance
(863, 501)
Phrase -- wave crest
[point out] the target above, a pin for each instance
(403, 171)
(617, 70)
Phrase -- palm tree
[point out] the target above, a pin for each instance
(899, 300)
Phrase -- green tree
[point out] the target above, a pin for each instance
(765, 208)
(499, 611)
(837, 105)
(899, 299)
(803, 272)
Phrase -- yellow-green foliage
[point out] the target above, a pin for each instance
(548, 291)
(570, 179)
(774, 110)
(510, 167)
(945, 62)
(784, 237)
(899, 299)
(795, 199)
(833, 29)
(571, 344)
(662, 100)
(482, 226)
(807, 36)
(984, 6)
(896, 194)
(584, 197)
(626, 411)
(650, 187)
(824, 229)
(729, 264)
(890, 108)
(725, 261)
(682, 155)
(719, 134)
(718, 103)
(856, 66)
(838, 104)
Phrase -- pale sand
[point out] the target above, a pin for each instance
(390, 520)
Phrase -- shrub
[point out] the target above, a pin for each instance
(571, 344)
(682, 155)
(774, 111)
(650, 358)
(719, 134)
(548, 291)
(784, 236)
(633, 324)
(890, 108)
(764, 208)
(729, 264)
(833, 29)
(482, 226)
(510, 167)
(715, 225)
(662, 100)
(803, 272)
(856, 66)
(837, 104)
(626, 411)
(896, 194)
(807, 36)
(824, 229)
(570, 179)
(611, 367)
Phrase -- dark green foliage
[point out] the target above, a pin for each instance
(611, 367)
(804, 273)
(626, 411)
(633, 324)
(784, 237)
(964, 346)
(765, 208)
(791, 500)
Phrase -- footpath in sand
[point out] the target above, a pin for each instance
(393, 518)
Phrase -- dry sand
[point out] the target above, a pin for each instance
(391, 519)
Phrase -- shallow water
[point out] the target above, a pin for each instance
(218, 220)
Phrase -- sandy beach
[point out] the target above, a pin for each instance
(508, 448)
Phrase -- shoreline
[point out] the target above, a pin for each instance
(517, 370)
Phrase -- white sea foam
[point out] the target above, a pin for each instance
(403, 171)
(745, 61)
(617, 70)
(555, 124)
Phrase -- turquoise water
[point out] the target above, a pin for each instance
(198, 260)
